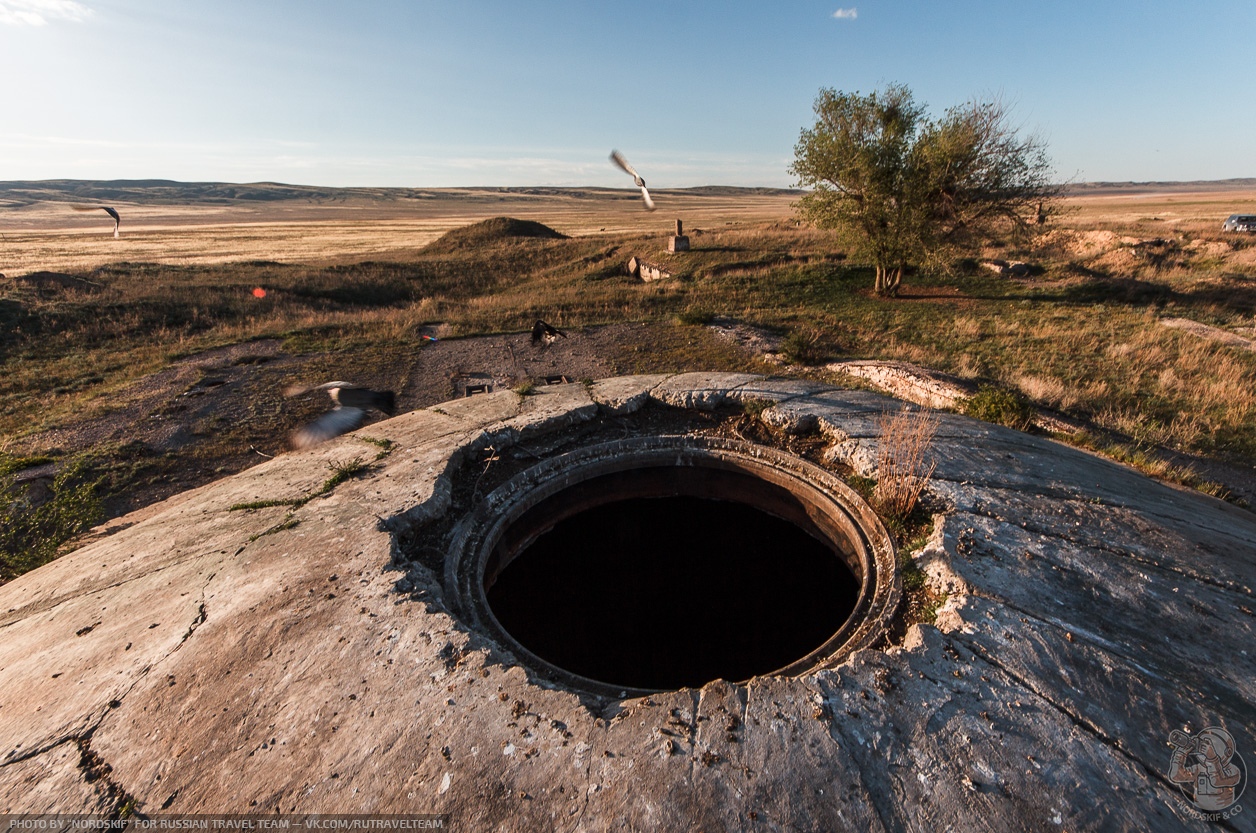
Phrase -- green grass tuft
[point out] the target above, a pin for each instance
(755, 407)
(695, 317)
(264, 504)
(1001, 406)
(341, 470)
(31, 534)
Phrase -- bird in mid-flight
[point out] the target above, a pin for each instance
(112, 212)
(618, 159)
(544, 334)
(349, 412)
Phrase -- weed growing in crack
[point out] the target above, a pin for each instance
(264, 504)
(903, 471)
(755, 407)
(289, 522)
(385, 446)
(340, 472)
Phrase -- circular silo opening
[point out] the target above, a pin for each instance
(661, 563)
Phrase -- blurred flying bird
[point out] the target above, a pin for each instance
(618, 159)
(117, 221)
(544, 334)
(349, 412)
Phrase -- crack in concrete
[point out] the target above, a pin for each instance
(90, 765)
(199, 619)
(895, 821)
(95, 723)
(1111, 650)
(604, 726)
(17, 615)
(94, 768)
(1060, 495)
(1108, 548)
(144, 673)
(777, 397)
(36, 751)
(1096, 731)
(1076, 719)
(692, 732)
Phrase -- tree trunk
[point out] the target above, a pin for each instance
(895, 277)
(888, 279)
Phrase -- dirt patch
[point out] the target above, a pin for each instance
(52, 282)
(913, 294)
(753, 339)
(447, 367)
(1121, 261)
(221, 411)
(943, 294)
(155, 409)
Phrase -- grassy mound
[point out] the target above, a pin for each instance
(490, 232)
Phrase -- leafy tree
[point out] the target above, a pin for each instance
(901, 189)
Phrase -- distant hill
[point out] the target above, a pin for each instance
(169, 192)
(16, 194)
(1091, 188)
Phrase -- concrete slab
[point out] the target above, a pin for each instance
(704, 391)
(287, 658)
(624, 394)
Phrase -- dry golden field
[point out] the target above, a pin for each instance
(52, 236)
(155, 366)
(1174, 208)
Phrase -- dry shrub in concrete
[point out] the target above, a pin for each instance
(903, 469)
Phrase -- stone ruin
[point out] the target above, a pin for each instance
(647, 270)
(353, 653)
(678, 242)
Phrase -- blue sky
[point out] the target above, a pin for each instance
(480, 92)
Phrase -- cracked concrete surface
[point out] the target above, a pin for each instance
(1090, 612)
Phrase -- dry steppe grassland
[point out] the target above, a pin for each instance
(155, 366)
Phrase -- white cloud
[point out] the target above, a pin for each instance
(846, 14)
(40, 12)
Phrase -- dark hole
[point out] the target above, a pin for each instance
(660, 593)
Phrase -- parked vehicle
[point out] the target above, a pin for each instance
(1239, 222)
